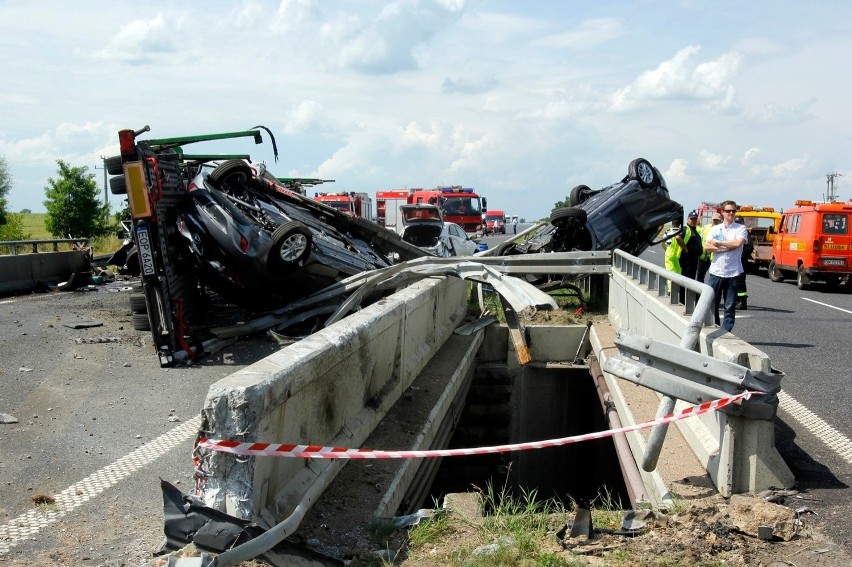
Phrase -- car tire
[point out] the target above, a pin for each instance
(138, 304)
(226, 169)
(117, 185)
(802, 279)
(291, 246)
(113, 165)
(773, 272)
(564, 214)
(140, 321)
(642, 171)
(579, 194)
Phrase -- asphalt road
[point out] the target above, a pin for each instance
(99, 423)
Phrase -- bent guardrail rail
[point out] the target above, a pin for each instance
(738, 452)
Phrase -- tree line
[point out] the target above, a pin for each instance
(72, 202)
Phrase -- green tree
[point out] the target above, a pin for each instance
(72, 204)
(13, 228)
(5, 187)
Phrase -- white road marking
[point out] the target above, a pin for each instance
(835, 440)
(827, 305)
(27, 525)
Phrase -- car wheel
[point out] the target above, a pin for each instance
(140, 321)
(773, 272)
(579, 194)
(564, 214)
(117, 185)
(642, 171)
(113, 165)
(291, 246)
(138, 303)
(802, 279)
(219, 177)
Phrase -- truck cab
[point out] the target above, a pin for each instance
(762, 224)
(495, 222)
(813, 244)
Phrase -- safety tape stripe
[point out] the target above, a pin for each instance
(320, 452)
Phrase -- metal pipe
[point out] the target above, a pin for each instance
(285, 528)
(689, 341)
(629, 470)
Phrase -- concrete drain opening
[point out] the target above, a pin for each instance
(552, 397)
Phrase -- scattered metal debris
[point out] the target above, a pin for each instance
(83, 324)
(97, 340)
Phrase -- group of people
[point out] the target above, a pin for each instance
(715, 251)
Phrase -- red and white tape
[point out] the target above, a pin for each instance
(320, 452)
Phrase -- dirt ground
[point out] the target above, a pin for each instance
(706, 533)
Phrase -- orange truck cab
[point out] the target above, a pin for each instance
(813, 244)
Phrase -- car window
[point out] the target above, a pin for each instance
(835, 223)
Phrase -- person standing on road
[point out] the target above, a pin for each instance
(706, 255)
(692, 252)
(725, 241)
(515, 225)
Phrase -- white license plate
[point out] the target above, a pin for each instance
(146, 255)
(833, 262)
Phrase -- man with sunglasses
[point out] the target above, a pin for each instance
(725, 241)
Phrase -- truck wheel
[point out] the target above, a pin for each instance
(802, 279)
(227, 169)
(579, 194)
(563, 214)
(117, 185)
(642, 171)
(140, 321)
(291, 246)
(773, 272)
(138, 303)
(113, 165)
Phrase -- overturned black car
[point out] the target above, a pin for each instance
(626, 215)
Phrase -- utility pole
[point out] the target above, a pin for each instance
(830, 187)
(106, 191)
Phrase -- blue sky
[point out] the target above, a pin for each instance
(521, 100)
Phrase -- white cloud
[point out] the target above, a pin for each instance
(713, 161)
(790, 166)
(679, 78)
(142, 41)
(587, 35)
(676, 173)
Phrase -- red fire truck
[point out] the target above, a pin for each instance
(387, 208)
(461, 205)
(352, 203)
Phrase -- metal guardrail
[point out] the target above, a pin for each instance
(34, 244)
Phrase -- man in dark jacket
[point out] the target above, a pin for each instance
(692, 251)
(742, 291)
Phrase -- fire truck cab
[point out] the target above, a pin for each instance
(460, 205)
(352, 203)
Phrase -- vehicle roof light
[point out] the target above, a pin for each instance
(804, 203)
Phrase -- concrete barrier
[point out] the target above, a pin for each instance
(23, 272)
(330, 388)
(738, 453)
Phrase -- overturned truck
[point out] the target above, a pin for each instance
(218, 228)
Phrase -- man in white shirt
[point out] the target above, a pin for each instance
(725, 241)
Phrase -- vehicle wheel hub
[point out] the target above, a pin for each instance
(293, 247)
